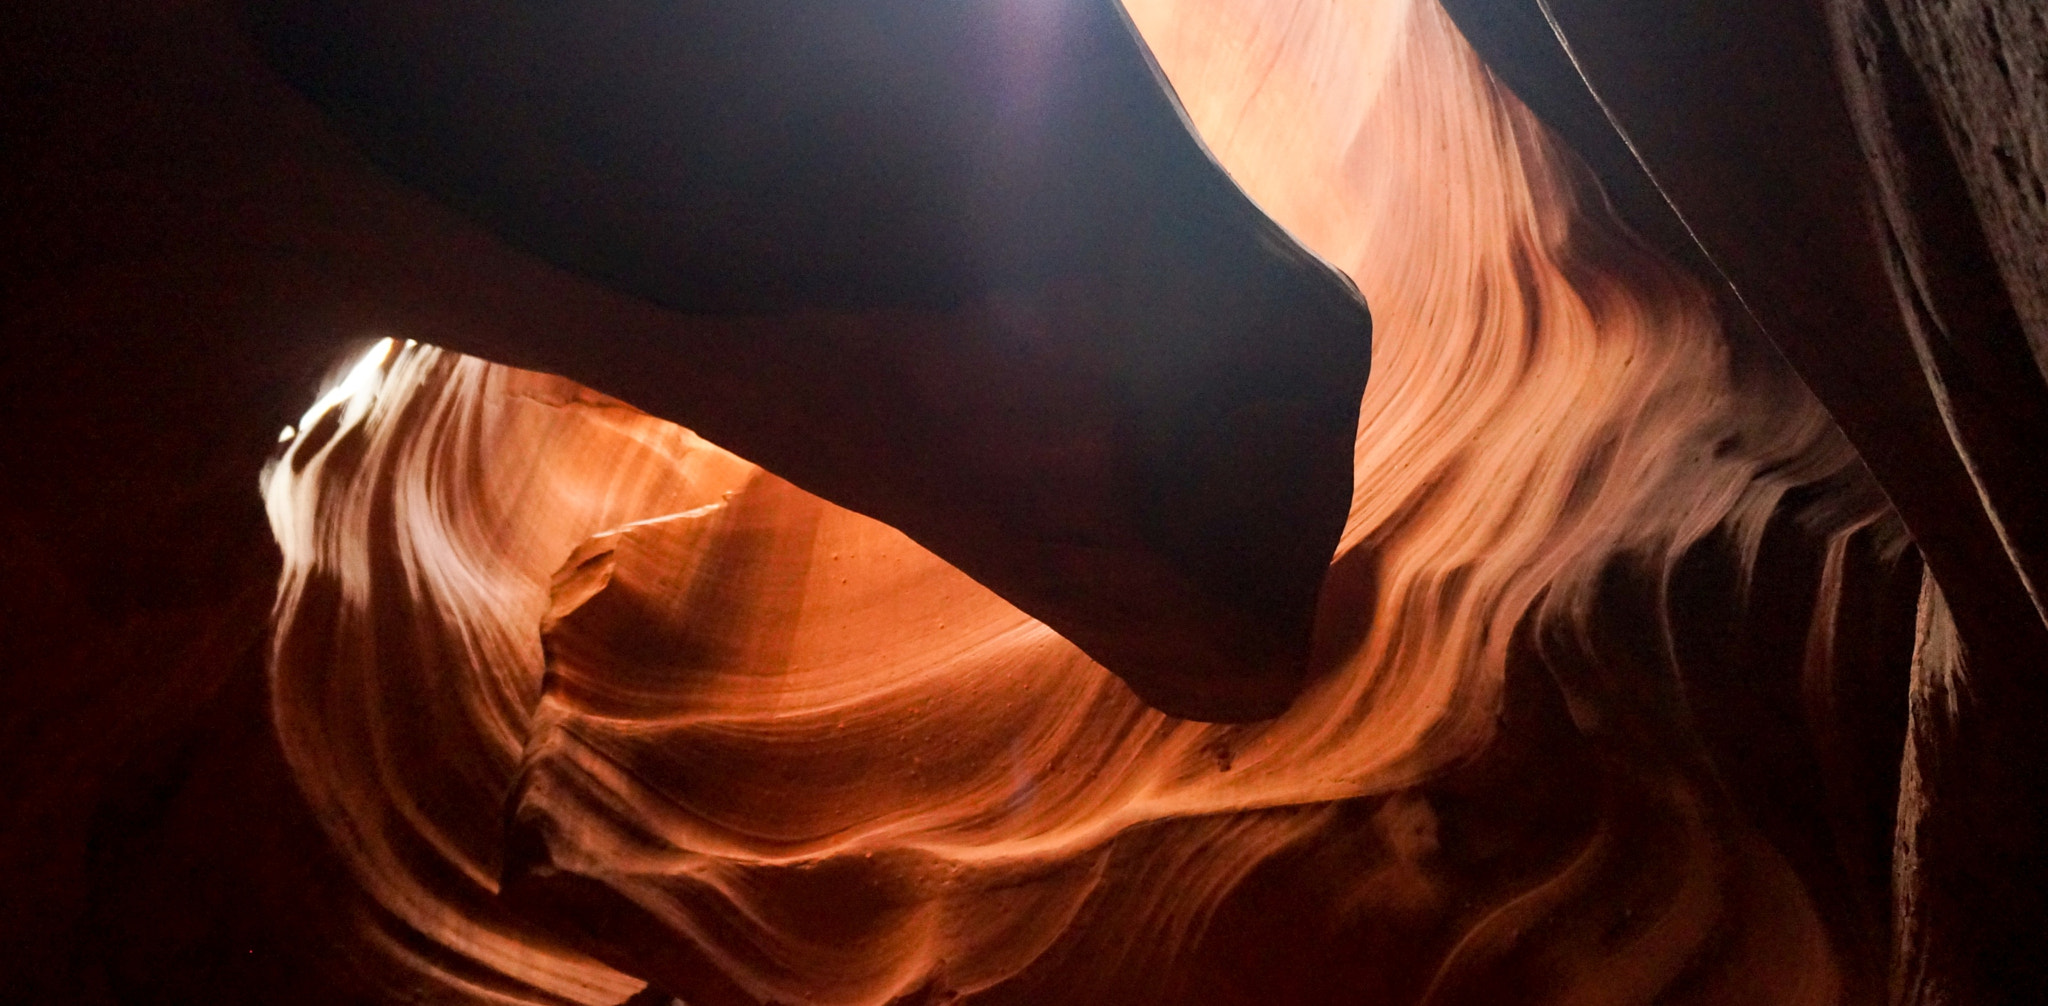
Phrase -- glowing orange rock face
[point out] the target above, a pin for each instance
(587, 701)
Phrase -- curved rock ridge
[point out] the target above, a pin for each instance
(587, 702)
(1001, 296)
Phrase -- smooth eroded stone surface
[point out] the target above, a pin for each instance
(1865, 176)
(1609, 704)
(962, 267)
(590, 699)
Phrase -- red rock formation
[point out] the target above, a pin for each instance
(963, 268)
(1609, 677)
(1902, 139)
(569, 685)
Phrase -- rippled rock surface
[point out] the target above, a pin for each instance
(586, 701)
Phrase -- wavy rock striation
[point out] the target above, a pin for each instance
(586, 702)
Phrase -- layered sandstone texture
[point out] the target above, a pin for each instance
(1675, 647)
(588, 701)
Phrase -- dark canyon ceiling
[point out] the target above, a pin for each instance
(835, 503)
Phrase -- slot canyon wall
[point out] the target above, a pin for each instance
(506, 691)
